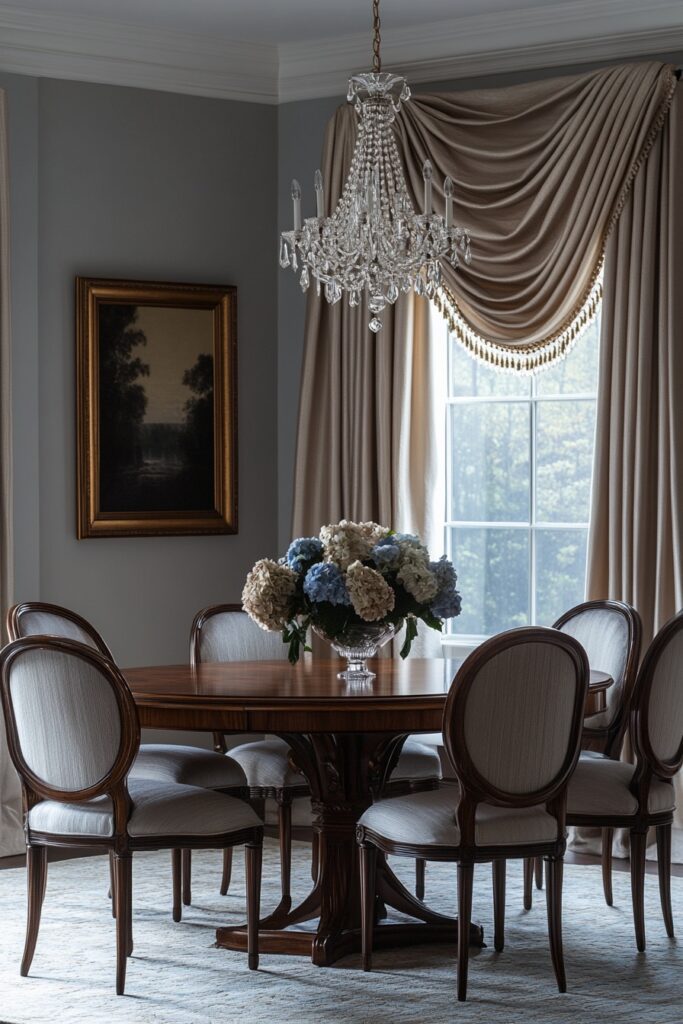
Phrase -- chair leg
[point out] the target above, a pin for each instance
(553, 885)
(368, 870)
(112, 884)
(638, 847)
(176, 860)
(538, 872)
(465, 884)
(36, 872)
(284, 814)
(607, 839)
(528, 881)
(315, 856)
(187, 877)
(124, 875)
(253, 855)
(420, 878)
(227, 870)
(498, 867)
(664, 870)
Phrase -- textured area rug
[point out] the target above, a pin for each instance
(176, 976)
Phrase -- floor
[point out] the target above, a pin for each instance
(177, 976)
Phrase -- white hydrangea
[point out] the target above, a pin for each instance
(371, 596)
(268, 592)
(416, 576)
(344, 543)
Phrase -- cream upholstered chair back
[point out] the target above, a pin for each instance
(36, 618)
(658, 703)
(224, 632)
(70, 718)
(513, 719)
(610, 634)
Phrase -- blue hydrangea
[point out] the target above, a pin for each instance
(386, 555)
(448, 602)
(325, 582)
(303, 552)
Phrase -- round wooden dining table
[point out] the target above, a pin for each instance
(346, 740)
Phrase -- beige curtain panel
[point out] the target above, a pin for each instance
(636, 527)
(11, 831)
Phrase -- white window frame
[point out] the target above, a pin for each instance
(467, 642)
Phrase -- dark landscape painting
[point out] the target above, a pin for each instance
(156, 408)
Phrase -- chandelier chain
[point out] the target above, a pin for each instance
(377, 39)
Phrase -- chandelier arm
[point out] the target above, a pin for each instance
(377, 39)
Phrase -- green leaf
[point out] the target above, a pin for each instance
(411, 633)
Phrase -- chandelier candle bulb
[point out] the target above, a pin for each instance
(427, 176)
(296, 202)
(448, 193)
(319, 195)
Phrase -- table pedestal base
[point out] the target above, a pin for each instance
(343, 771)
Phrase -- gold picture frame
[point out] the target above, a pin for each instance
(156, 367)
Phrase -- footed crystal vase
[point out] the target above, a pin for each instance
(357, 644)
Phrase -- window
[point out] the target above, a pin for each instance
(519, 456)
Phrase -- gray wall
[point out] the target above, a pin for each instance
(301, 127)
(120, 182)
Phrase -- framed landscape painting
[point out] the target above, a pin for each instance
(157, 408)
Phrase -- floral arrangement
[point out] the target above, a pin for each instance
(350, 575)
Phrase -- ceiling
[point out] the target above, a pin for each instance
(271, 51)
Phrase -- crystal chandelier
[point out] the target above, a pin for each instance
(374, 240)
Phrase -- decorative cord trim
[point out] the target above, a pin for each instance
(537, 356)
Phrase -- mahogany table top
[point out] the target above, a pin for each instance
(274, 696)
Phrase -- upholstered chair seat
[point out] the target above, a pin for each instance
(600, 786)
(429, 818)
(417, 761)
(265, 764)
(512, 728)
(189, 766)
(159, 809)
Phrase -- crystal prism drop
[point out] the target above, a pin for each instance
(392, 292)
(377, 303)
(375, 324)
(304, 280)
(284, 254)
(354, 298)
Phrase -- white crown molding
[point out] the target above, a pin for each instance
(573, 32)
(91, 50)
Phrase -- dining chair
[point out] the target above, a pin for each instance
(164, 762)
(612, 794)
(73, 734)
(224, 632)
(512, 730)
(610, 632)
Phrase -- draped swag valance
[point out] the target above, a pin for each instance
(541, 172)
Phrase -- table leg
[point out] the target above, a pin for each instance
(342, 771)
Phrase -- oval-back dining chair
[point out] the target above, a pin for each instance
(512, 729)
(165, 762)
(610, 633)
(73, 735)
(607, 793)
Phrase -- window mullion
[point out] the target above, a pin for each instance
(532, 503)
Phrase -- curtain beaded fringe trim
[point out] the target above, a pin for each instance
(522, 359)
